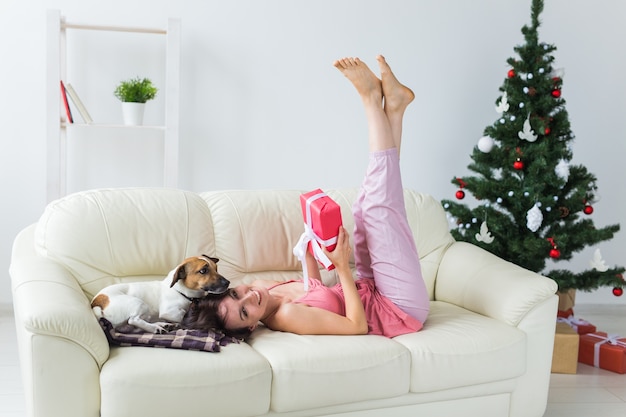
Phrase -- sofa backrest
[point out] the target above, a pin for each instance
(116, 235)
(255, 231)
(107, 236)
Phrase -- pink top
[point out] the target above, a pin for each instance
(383, 316)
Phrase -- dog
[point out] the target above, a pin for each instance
(156, 306)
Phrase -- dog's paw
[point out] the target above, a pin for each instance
(163, 327)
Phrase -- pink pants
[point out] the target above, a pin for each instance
(384, 249)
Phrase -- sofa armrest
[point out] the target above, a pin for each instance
(48, 301)
(477, 280)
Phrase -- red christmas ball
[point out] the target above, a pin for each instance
(518, 165)
(588, 209)
(555, 253)
(618, 291)
(511, 73)
(556, 93)
(460, 194)
(547, 131)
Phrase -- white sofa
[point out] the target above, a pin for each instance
(485, 350)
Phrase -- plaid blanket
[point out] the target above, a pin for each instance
(211, 341)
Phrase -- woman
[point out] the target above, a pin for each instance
(390, 298)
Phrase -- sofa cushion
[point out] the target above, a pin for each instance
(330, 370)
(458, 348)
(103, 236)
(255, 232)
(140, 381)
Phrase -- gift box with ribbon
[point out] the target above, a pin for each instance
(581, 326)
(322, 219)
(602, 350)
(565, 353)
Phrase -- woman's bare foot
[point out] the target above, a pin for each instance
(367, 84)
(397, 95)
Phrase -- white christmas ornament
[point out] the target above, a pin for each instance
(597, 262)
(527, 132)
(503, 105)
(452, 221)
(484, 235)
(557, 73)
(534, 218)
(562, 170)
(485, 144)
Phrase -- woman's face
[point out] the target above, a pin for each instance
(244, 306)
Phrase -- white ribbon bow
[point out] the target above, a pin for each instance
(316, 243)
(612, 339)
(573, 322)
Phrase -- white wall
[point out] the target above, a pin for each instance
(262, 107)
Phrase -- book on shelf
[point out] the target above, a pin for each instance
(79, 104)
(68, 112)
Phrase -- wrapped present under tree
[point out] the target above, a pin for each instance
(604, 351)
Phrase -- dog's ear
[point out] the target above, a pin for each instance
(211, 258)
(179, 273)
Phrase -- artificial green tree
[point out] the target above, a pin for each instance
(532, 204)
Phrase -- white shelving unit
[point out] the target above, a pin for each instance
(56, 126)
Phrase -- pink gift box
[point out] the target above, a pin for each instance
(323, 215)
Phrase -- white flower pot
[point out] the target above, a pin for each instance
(133, 113)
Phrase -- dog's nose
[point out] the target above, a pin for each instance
(219, 287)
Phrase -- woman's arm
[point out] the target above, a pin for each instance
(312, 267)
(302, 319)
(340, 257)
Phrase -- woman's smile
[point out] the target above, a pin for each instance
(258, 296)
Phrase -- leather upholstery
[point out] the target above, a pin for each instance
(484, 351)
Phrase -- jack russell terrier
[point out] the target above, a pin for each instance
(143, 304)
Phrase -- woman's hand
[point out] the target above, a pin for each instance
(340, 256)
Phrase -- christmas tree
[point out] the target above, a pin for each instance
(533, 205)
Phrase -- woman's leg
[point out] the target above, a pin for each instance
(369, 87)
(397, 98)
(384, 245)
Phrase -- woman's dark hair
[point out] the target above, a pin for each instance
(203, 314)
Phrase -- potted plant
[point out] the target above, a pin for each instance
(134, 93)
